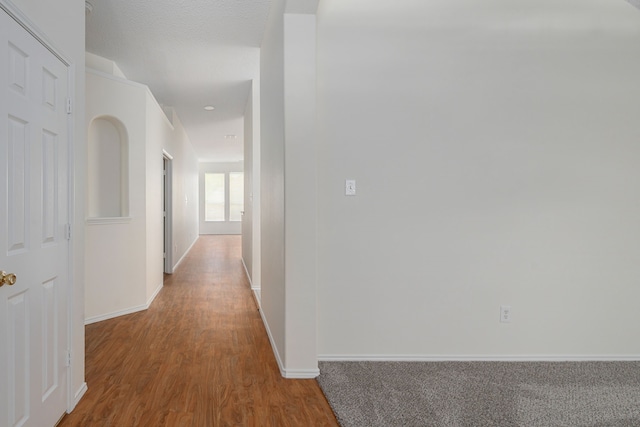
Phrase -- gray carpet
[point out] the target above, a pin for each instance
(476, 394)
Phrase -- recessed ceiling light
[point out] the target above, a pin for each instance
(209, 107)
(231, 136)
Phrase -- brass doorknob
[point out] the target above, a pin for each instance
(7, 278)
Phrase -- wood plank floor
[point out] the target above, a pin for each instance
(200, 356)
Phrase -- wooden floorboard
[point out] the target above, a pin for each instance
(200, 356)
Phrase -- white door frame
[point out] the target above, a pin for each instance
(22, 19)
(168, 211)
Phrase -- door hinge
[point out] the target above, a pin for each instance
(69, 106)
(68, 358)
(67, 231)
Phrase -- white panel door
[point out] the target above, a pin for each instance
(33, 243)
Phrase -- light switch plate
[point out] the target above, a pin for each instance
(350, 187)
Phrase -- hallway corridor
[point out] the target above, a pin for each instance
(200, 357)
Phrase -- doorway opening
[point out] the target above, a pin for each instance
(167, 212)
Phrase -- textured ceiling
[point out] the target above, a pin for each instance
(193, 53)
(524, 15)
(190, 53)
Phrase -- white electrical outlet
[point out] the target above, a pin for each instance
(505, 313)
(350, 187)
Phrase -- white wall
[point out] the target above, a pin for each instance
(62, 21)
(272, 179)
(251, 220)
(288, 188)
(105, 65)
(495, 148)
(218, 227)
(247, 218)
(185, 191)
(165, 136)
(300, 194)
(159, 133)
(133, 247)
(114, 245)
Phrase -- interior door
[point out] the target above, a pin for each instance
(33, 240)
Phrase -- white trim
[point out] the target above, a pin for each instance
(109, 220)
(77, 396)
(23, 20)
(166, 154)
(301, 374)
(226, 228)
(155, 294)
(126, 311)
(273, 344)
(258, 296)
(185, 254)
(71, 250)
(475, 358)
(287, 373)
(256, 291)
(115, 314)
(246, 271)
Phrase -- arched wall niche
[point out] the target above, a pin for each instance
(108, 168)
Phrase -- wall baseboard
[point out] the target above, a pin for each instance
(246, 271)
(476, 358)
(155, 294)
(258, 296)
(184, 254)
(77, 396)
(287, 373)
(301, 374)
(273, 343)
(254, 288)
(205, 233)
(114, 314)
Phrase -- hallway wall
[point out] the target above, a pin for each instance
(272, 179)
(133, 246)
(122, 240)
(495, 148)
(251, 219)
(288, 186)
(185, 189)
(168, 136)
